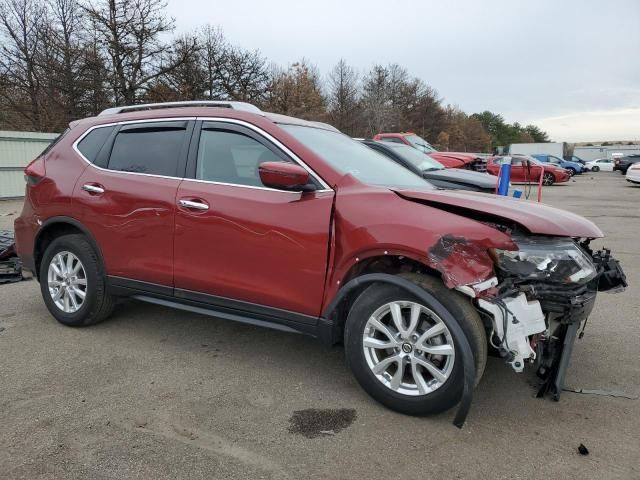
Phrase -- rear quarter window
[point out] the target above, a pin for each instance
(91, 144)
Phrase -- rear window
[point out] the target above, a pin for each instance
(91, 144)
(153, 148)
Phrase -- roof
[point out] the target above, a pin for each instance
(198, 110)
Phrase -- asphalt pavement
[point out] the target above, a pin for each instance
(161, 394)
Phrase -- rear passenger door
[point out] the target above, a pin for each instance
(126, 197)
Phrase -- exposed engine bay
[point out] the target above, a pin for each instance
(541, 296)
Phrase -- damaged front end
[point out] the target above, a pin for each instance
(542, 294)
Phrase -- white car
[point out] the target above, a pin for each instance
(633, 173)
(604, 164)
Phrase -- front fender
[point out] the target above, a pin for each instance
(451, 244)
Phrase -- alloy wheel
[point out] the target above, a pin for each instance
(408, 348)
(547, 179)
(67, 282)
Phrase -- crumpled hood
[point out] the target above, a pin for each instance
(537, 218)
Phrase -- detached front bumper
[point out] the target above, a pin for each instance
(538, 323)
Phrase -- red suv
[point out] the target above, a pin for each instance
(221, 209)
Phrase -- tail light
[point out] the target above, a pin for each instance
(35, 171)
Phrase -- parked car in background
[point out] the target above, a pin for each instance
(573, 158)
(604, 164)
(527, 169)
(222, 209)
(470, 161)
(623, 163)
(406, 138)
(432, 170)
(465, 160)
(633, 173)
(572, 167)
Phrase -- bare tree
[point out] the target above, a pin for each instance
(297, 92)
(376, 103)
(213, 51)
(21, 27)
(187, 80)
(96, 94)
(246, 76)
(343, 97)
(232, 72)
(65, 69)
(130, 31)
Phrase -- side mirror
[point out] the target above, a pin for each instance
(283, 175)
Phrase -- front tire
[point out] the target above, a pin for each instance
(403, 354)
(73, 282)
(595, 169)
(572, 171)
(548, 179)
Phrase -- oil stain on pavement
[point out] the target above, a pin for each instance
(313, 422)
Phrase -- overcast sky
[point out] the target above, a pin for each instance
(572, 67)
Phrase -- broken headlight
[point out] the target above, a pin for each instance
(556, 260)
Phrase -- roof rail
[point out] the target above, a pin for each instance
(242, 106)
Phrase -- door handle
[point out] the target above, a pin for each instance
(91, 188)
(193, 205)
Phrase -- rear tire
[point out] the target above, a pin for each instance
(428, 391)
(79, 300)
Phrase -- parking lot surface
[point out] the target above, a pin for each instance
(159, 393)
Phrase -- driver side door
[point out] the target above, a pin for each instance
(239, 244)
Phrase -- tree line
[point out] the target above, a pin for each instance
(61, 60)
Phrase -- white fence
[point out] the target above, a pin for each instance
(17, 149)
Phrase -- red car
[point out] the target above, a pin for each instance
(527, 169)
(469, 161)
(221, 209)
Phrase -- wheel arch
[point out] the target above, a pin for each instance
(467, 355)
(55, 227)
(338, 304)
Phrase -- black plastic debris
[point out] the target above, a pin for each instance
(7, 244)
(582, 450)
(10, 264)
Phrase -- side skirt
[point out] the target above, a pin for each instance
(220, 307)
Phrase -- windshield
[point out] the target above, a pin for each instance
(420, 144)
(416, 158)
(349, 156)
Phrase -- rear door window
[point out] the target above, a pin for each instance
(152, 148)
